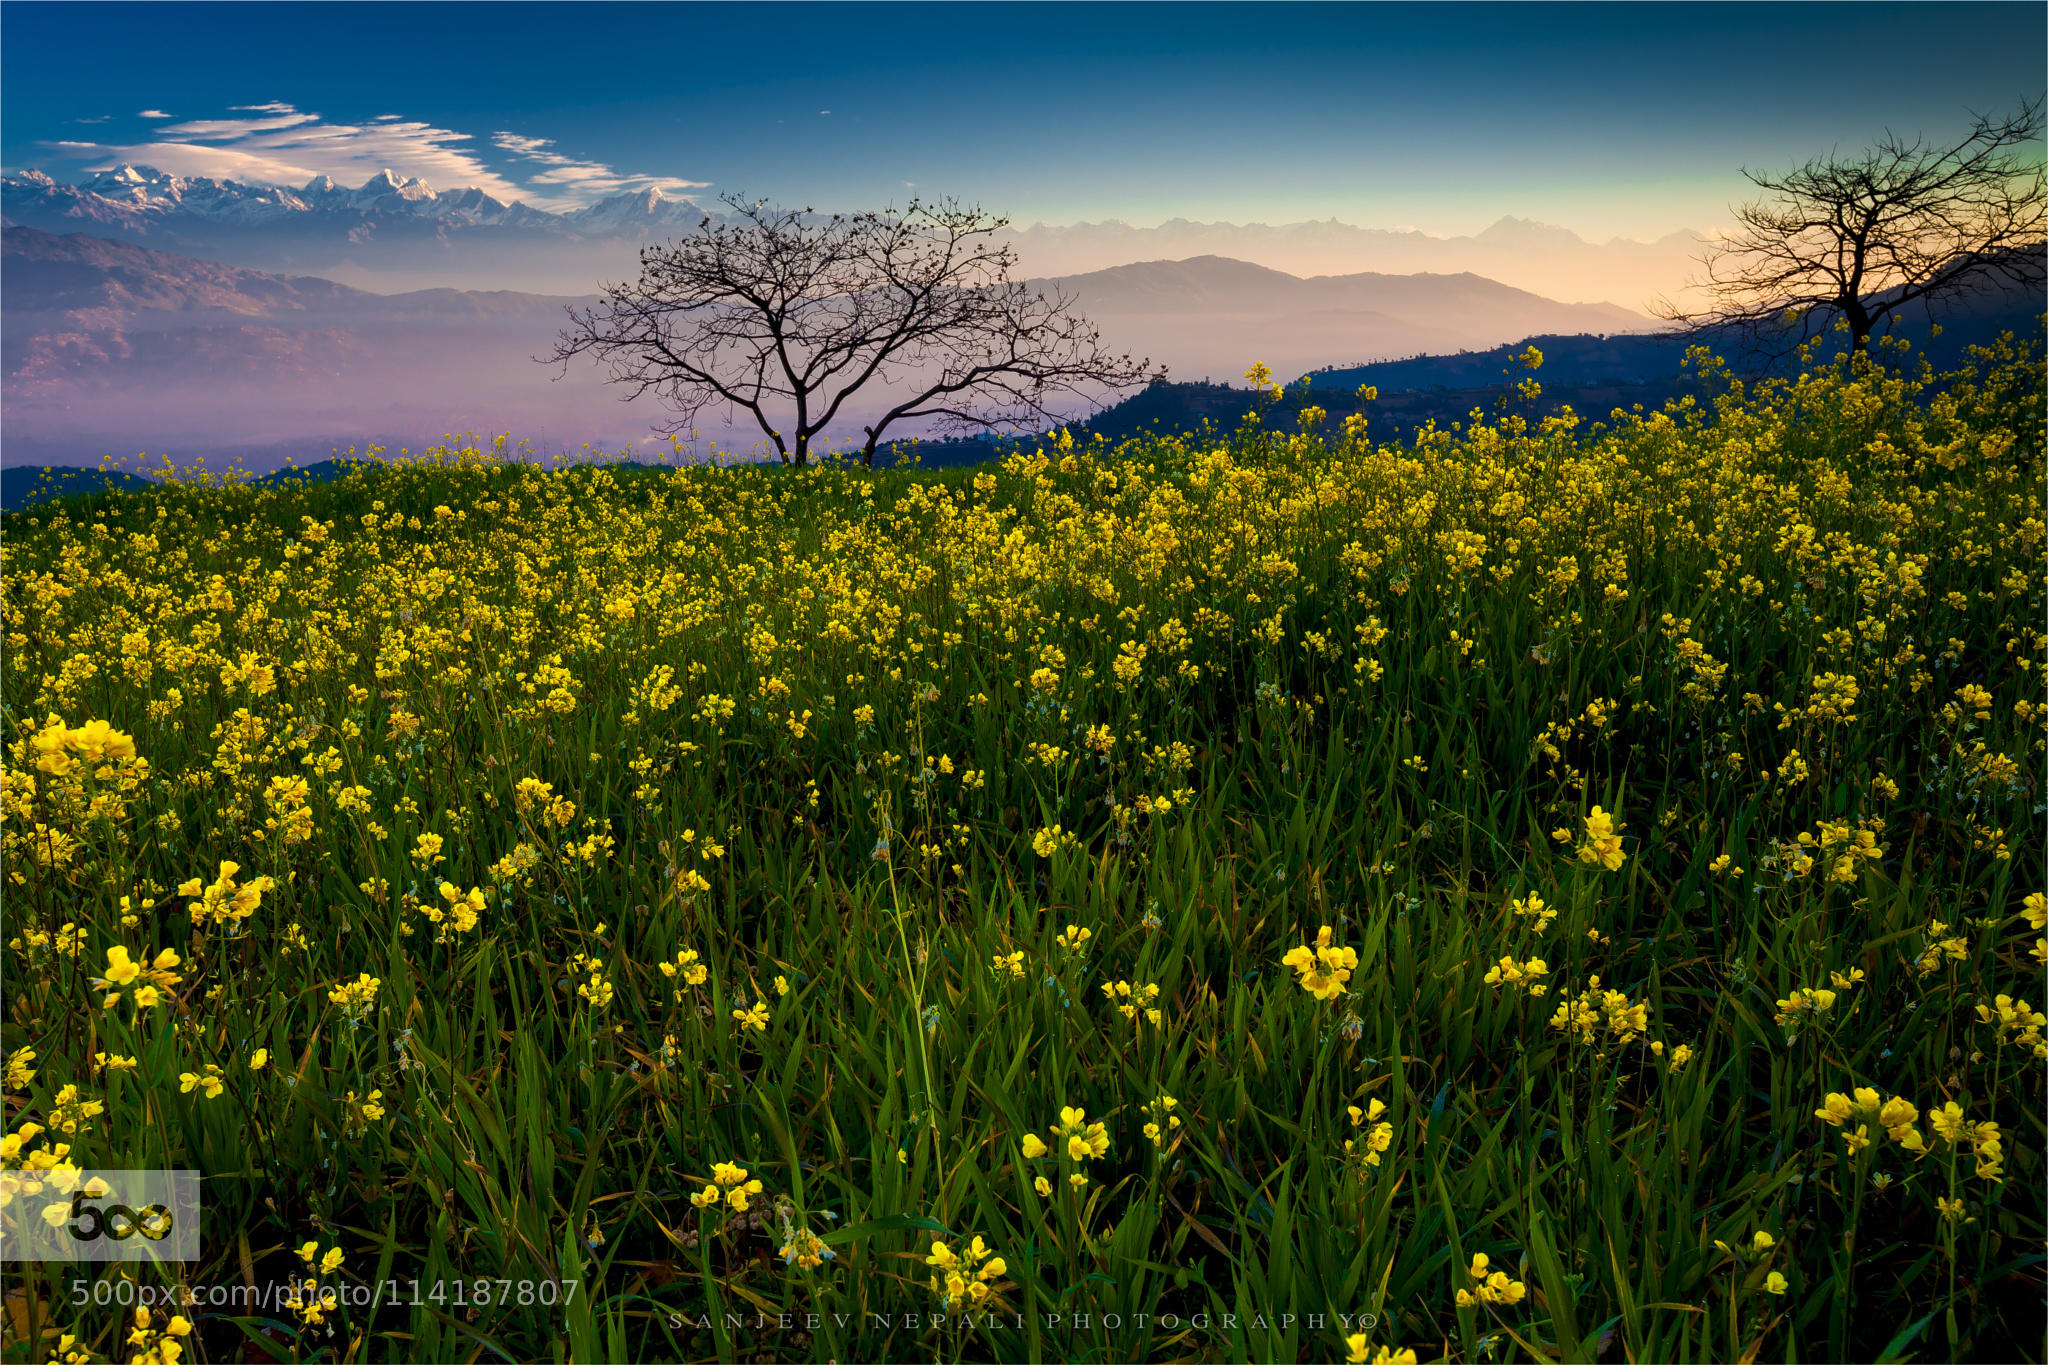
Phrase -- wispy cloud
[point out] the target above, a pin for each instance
(234, 129)
(532, 148)
(191, 158)
(277, 143)
(583, 180)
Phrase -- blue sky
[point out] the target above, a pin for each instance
(1618, 119)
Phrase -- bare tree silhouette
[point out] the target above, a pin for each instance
(777, 310)
(1863, 237)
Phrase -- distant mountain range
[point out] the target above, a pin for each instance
(394, 232)
(1213, 317)
(390, 232)
(1552, 261)
(143, 200)
(82, 282)
(110, 347)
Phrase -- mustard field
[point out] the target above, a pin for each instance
(1565, 889)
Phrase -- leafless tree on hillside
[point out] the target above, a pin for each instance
(778, 310)
(1862, 237)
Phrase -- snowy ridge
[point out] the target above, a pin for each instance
(139, 198)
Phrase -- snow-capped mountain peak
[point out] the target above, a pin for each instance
(144, 202)
(471, 205)
(635, 209)
(131, 182)
(388, 184)
(125, 174)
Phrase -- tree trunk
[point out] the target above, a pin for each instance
(1859, 325)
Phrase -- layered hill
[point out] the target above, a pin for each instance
(1545, 259)
(114, 347)
(1213, 317)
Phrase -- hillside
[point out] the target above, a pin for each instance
(84, 281)
(1593, 373)
(1213, 317)
(111, 347)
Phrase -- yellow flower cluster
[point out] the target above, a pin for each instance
(149, 1344)
(356, 998)
(1532, 907)
(2017, 1023)
(459, 912)
(1802, 1005)
(208, 1083)
(592, 985)
(1075, 1138)
(94, 743)
(967, 1277)
(1379, 1132)
(803, 1249)
(1523, 976)
(1134, 999)
(1900, 1121)
(687, 970)
(223, 902)
(1160, 1119)
(1490, 1286)
(1602, 842)
(123, 972)
(729, 1185)
(1321, 970)
(1596, 1012)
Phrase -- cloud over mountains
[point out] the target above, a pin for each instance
(279, 145)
